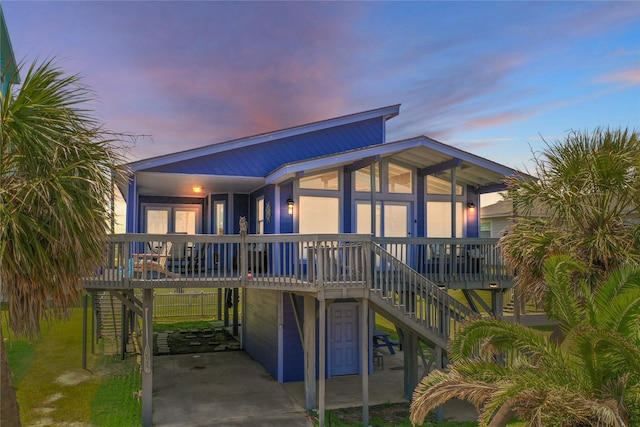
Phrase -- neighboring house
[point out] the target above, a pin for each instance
(495, 218)
(342, 261)
(8, 66)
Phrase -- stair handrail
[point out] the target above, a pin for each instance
(435, 310)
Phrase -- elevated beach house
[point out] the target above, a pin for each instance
(323, 226)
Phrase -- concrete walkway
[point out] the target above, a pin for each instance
(231, 389)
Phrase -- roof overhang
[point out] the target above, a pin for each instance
(422, 152)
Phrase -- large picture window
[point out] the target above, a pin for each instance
(319, 215)
(439, 219)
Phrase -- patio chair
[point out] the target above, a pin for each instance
(154, 263)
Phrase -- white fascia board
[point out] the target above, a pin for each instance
(385, 112)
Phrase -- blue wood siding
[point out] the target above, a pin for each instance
(269, 194)
(292, 350)
(473, 223)
(240, 208)
(347, 203)
(132, 206)
(260, 160)
(420, 208)
(261, 336)
(286, 220)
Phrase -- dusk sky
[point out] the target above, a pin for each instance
(491, 78)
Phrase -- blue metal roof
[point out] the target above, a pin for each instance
(379, 115)
(258, 160)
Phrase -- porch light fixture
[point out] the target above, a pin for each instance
(197, 189)
(290, 206)
(471, 205)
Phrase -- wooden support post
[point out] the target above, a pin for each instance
(309, 345)
(364, 338)
(410, 349)
(123, 332)
(85, 303)
(147, 357)
(93, 323)
(497, 303)
(236, 300)
(322, 344)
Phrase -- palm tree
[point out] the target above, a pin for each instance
(586, 203)
(592, 378)
(56, 166)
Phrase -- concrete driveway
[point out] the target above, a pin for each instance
(220, 389)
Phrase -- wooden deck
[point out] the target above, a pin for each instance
(299, 263)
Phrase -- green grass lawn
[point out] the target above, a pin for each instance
(52, 387)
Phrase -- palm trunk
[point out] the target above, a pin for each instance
(502, 416)
(9, 410)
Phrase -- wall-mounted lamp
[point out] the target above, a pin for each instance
(290, 206)
(471, 205)
(197, 189)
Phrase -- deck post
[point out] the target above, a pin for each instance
(147, 357)
(309, 337)
(85, 303)
(322, 343)
(497, 303)
(364, 339)
(410, 350)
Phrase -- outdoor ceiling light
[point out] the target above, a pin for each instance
(290, 206)
(197, 189)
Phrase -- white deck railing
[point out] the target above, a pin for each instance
(289, 261)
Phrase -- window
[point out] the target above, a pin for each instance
(260, 216)
(158, 221)
(485, 228)
(185, 222)
(400, 179)
(437, 185)
(172, 219)
(319, 215)
(324, 181)
(363, 178)
(219, 211)
(439, 219)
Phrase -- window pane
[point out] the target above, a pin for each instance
(323, 181)
(363, 178)
(219, 217)
(399, 179)
(185, 222)
(439, 219)
(260, 216)
(363, 219)
(319, 215)
(437, 185)
(157, 221)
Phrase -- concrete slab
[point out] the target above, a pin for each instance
(220, 389)
(231, 389)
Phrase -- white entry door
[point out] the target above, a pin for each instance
(344, 351)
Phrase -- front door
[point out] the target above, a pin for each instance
(344, 354)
